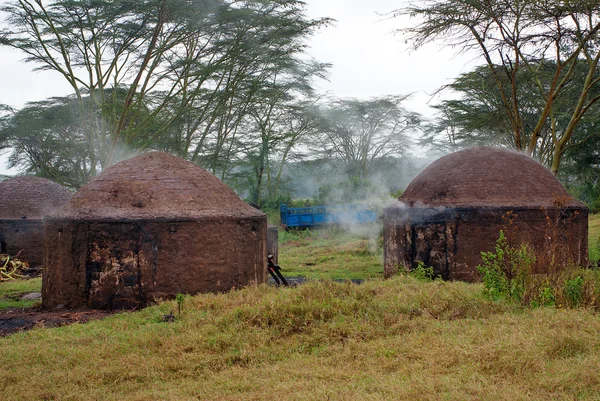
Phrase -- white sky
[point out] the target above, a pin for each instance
(368, 60)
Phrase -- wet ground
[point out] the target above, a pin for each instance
(16, 320)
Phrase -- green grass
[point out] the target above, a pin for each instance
(332, 253)
(384, 339)
(11, 291)
(594, 238)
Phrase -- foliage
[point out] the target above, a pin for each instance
(582, 172)
(180, 298)
(477, 117)
(594, 239)
(505, 271)
(397, 193)
(361, 131)
(422, 272)
(588, 193)
(283, 125)
(355, 189)
(525, 276)
(573, 289)
(546, 298)
(553, 43)
(286, 236)
(188, 77)
(48, 140)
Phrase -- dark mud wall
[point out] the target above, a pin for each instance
(128, 264)
(451, 239)
(25, 236)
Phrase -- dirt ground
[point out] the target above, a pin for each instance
(16, 320)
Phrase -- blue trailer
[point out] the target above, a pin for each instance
(315, 216)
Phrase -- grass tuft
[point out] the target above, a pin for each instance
(11, 292)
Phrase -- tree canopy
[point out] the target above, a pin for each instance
(553, 42)
(179, 76)
(360, 132)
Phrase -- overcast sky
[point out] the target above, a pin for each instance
(368, 60)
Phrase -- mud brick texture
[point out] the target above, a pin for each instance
(24, 201)
(149, 228)
(456, 207)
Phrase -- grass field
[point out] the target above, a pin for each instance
(332, 253)
(381, 340)
(393, 339)
(11, 291)
(594, 237)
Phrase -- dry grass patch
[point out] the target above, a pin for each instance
(394, 339)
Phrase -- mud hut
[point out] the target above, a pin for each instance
(151, 227)
(24, 201)
(455, 208)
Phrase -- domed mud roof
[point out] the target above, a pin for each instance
(487, 177)
(30, 197)
(155, 185)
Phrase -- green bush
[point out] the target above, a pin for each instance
(422, 272)
(573, 290)
(294, 235)
(546, 297)
(506, 270)
(397, 193)
(520, 274)
(354, 189)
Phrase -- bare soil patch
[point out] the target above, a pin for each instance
(16, 320)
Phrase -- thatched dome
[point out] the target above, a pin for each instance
(155, 185)
(30, 197)
(487, 177)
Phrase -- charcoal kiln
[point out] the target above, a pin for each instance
(455, 208)
(147, 228)
(24, 201)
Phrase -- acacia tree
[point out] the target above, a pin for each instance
(515, 35)
(478, 115)
(177, 75)
(46, 137)
(263, 77)
(99, 47)
(279, 120)
(361, 131)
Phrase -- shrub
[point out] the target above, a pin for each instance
(285, 236)
(506, 270)
(573, 290)
(537, 278)
(422, 272)
(546, 297)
